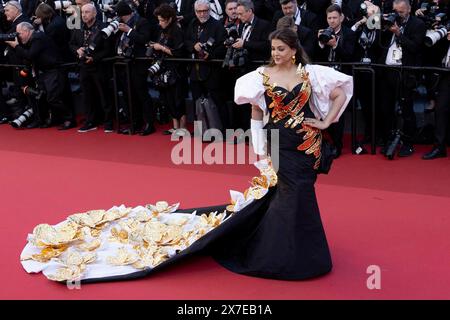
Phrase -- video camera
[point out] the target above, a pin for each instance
(326, 35)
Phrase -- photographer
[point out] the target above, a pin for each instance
(231, 18)
(301, 16)
(90, 49)
(41, 51)
(135, 33)
(367, 50)
(14, 16)
(442, 111)
(337, 44)
(204, 40)
(435, 15)
(306, 36)
(170, 44)
(403, 43)
(253, 33)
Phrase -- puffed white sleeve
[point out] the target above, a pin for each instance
(250, 89)
(323, 81)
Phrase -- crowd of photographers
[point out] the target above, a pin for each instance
(47, 35)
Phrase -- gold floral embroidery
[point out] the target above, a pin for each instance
(293, 111)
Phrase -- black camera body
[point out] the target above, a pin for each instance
(232, 34)
(8, 36)
(388, 20)
(326, 35)
(207, 47)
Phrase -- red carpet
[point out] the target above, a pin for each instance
(393, 214)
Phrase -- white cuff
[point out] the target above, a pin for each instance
(258, 136)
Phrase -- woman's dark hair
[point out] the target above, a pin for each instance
(45, 12)
(166, 11)
(290, 37)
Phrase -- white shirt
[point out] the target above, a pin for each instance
(390, 55)
(216, 9)
(297, 17)
(246, 32)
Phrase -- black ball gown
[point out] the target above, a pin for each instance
(278, 234)
(283, 237)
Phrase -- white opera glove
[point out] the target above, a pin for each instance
(258, 136)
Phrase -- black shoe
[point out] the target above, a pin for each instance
(34, 124)
(436, 152)
(108, 128)
(148, 129)
(3, 120)
(406, 150)
(87, 127)
(125, 131)
(67, 125)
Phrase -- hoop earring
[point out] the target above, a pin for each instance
(293, 59)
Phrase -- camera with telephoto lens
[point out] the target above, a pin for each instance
(388, 20)
(8, 36)
(326, 35)
(206, 48)
(112, 28)
(154, 68)
(35, 93)
(433, 36)
(20, 120)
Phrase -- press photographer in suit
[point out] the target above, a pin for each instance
(336, 44)
(38, 48)
(90, 49)
(204, 40)
(402, 46)
(135, 33)
(442, 107)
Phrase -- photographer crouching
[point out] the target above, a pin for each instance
(38, 48)
(165, 74)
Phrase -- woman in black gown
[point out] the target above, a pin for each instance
(286, 240)
(276, 234)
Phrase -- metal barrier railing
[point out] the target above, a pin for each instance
(356, 67)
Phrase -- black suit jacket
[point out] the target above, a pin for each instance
(41, 51)
(411, 42)
(103, 47)
(57, 30)
(211, 29)
(11, 55)
(345, 49)
(307, 40)
(258, 44)
(319, 7)
(308, 19)
(140, 35)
